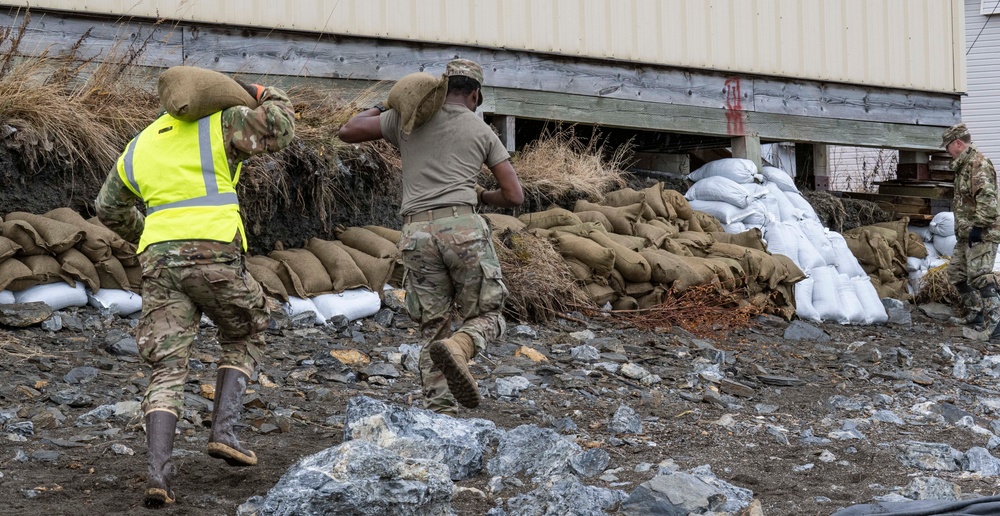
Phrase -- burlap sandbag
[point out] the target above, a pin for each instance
(694, 223)
(24, 236)
(189, 93)
(621, 218)
(789, 270)
(8, 247)
(617, 282)
(672, 227)
(897, 226)
(600, 294)
(634, 243)
(368, 242)
(111, 275)
(750, 238)
(598, 217)
(638, 290)
(500, 222)
(696, 242)
(579, 269)
(289, 280)
(896, 242)
(677, 201)
(623, 197)
(583, 229)
(667, 268)
(122, 249)
(915, 246)
(15, 275)
(735, 269)
(653, 235)
(268, 280)
(134, 275)
(46, 269)
(703, 273)
(97, 241)
(763, 270)
(392, 235)
(673, 247)
(417, 97)
(708, 223)
(344, 273)
(377, 271)
(549, 218)
(600, 259)
(628, 262)
(312, 275)
(871, 250)
(655, 200)
(625, 303)
(75, 264)
(654, 298)
(56, 236)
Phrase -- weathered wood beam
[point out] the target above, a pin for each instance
(505, 126)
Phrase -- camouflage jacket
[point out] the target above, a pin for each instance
(975, 197)
(268, 128)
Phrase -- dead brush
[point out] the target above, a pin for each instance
(829, 209)
(560, 165)
(540, 283)
(935, 288)
(704, 310)
(859, 212)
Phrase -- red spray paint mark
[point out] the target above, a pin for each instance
(734, 107)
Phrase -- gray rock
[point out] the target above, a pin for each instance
(80, 375)
(384, 317)
(532, 451)
(633, 371)
(585, 353)
(121, 449)
(855, 404)
(119, 343)
(675, 494)
(511, 386)
(807, 438)
(522, 331)
(72, 322)
(45, 455)
(951, 413)
(736, 497)
(936, 311)
(122, 412)
(898, 312)
(625, 421)
(380, 369)
(888, 416)
(763, 408)
(421, 434)
(53, 323)
(395, 299)
(358, 478)
(929, 456)
(590, 463)
(931, 488)
(800, 330)
(582, 335)
(566, 495)
(564, 424)
(411, 357)
(780, 434)
(979, 460)
(22, 315)
(23, 428)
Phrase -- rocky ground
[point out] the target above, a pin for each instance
(808, 418)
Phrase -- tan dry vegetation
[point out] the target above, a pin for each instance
(935, 288)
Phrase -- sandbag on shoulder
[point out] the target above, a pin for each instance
(189, 93)
(417, 97)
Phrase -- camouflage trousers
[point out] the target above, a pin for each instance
(973, 265)
(173, 301)
(451, 265)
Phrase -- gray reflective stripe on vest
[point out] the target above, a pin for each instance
(212, 196)
(206, 200)
(129, 170)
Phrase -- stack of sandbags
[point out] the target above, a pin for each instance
(741, 199)
(888, 252)
(64, 260)
(942, 229)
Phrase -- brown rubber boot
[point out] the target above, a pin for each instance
(160, 428)
(991, 316)
(971, 302)
(230, 384)
(452, 357)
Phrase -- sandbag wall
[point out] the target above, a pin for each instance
(940, 241)
(886, 251)
(64, 260)
(837, 287)
(635, 246)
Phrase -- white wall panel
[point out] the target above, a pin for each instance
(911, 44)
(981, 108)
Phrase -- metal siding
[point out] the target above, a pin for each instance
(981, 108)
(892, 43)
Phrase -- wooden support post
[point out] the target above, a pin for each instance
(747, 147)
(811, 165)
(913, 165)
(505, 126)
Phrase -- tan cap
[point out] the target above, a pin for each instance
(953, 133)
(466, 68)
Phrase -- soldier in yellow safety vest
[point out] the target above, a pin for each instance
(191, 244)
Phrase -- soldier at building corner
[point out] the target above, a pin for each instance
(977, 227)
(191, 244)
(446, 246)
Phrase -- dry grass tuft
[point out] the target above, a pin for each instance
(540, 283)
(705, 310)
(935, 288)
(560, 165)
(829, 209)
(859, 212)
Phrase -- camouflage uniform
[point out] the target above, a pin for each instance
(184, 279)
(974, 205)
(450, 260)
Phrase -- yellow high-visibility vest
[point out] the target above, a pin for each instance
(179, 169)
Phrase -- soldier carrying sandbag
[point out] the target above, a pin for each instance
(185, 166)
(977, 226)
(446, 246)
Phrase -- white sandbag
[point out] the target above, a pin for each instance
(782, 239)
(787, 211)
(847, 263)
(945, 245)
(915, 281)
(298, 305)
(915, 264)
(718, 188)
(803, 301)
(923, 232)
(826, 297)
(820, 237)
(932, 253)
(854, 313)
(871, 304)
(943, 224)
(802, 204)
(937, 262)
(809, 257)
(725, 212)
(117, 301)
(6, 297)
(780, 178)
(758, 216)
(353, 304)
(56, 295)
(737, 169)
(739, 227)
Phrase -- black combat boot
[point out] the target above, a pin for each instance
(230, 384)
(971, 306)
(991, 315)
(160, 427)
